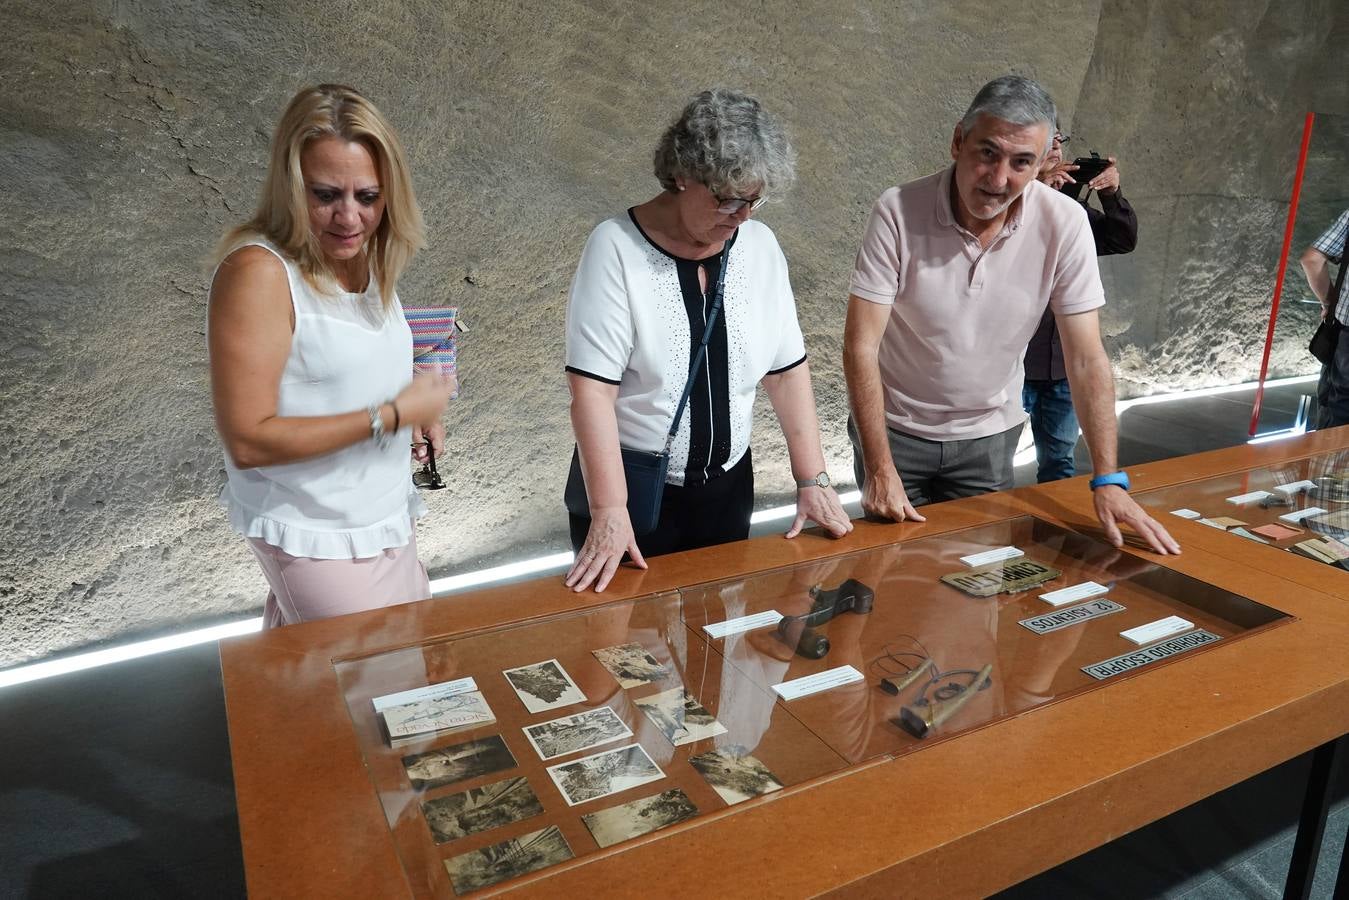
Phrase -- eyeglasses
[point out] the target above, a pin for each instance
(428, 479)
(732, 205)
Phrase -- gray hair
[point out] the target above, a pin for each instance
(1015, 99)
(729, 142)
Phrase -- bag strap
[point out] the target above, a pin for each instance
(1336, 291)
(702, 348)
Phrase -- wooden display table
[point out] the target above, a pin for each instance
(1042, 767)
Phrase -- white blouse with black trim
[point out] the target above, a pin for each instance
(635, 317)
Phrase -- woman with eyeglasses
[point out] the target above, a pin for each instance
(311, 366)
(639, 307)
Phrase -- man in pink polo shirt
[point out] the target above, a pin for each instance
(954, 272)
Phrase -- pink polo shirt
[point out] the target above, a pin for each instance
(961, 316)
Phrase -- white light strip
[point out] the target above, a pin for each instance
(555, 562)
(93, 659)
(1122, 405)
(442, 586)
(786, 512)
(1028, 455)
(1281, 435)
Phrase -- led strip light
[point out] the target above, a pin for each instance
(556, 562)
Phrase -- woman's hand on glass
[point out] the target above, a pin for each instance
(609, 537)
(821, 506)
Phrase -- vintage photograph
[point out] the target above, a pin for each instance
(508, 859)
(478, 809)
(631, 665)
(422, 717)
(734, 774)
(458, 762)
(544, 686)
(610, 826)
(602, 774)
(576, 732)
(680, 717)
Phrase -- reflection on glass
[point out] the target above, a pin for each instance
(624, 720)
(1301, 506)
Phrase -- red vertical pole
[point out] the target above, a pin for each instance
(1283, 266)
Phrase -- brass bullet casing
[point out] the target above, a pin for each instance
(918, 720)
(896, 686)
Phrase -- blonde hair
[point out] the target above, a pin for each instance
(282, 217)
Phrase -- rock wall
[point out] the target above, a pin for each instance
(134, 133)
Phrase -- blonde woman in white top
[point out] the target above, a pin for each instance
(311, 366)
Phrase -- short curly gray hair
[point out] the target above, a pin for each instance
(729, 142)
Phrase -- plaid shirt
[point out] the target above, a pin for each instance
(1332, 245)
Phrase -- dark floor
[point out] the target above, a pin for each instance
(116, 782)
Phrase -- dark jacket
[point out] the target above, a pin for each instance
(1115, 230)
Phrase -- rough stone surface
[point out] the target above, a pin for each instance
(133, 133)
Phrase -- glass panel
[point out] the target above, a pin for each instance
(747, 711)
(474, 805)
(917, 617)
(1261, 516)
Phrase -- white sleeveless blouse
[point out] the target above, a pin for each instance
(345, 354)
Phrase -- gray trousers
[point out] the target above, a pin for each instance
(934, 471)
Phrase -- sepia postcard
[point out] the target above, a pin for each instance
(631, 664)
(459, 762)
(610, 826)
(605, 773)
(425, 717)
(734, 774)
(576, 732)
(544, 686)
(680, 717)
(508, 859)
(478, 809)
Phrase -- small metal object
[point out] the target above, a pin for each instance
(923, 715)
(428, 479)
(896, 686)
(1002, 577)
(798, 632)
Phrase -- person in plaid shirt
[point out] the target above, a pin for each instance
(1332, 391)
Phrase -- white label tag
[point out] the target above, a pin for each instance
(1186, 513)
(820, 681)
(1155, 631)
(1293, 518)
(430, 692)
(744, 623)
(1243, 499)
(1073, 594)
(1294, 487)
(988, 556)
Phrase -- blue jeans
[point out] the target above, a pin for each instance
(1053, 424)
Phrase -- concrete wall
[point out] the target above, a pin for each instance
(132, 134)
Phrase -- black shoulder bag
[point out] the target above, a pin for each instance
(1327, 336)
(645, 470)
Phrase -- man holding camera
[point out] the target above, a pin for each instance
(1047, 397)
(1332, 390)
(954, 272)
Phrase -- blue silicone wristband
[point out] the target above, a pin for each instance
(1119, 478)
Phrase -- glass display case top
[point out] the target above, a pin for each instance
(1301, 506)
(507, 754)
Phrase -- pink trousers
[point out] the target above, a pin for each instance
(305, 589)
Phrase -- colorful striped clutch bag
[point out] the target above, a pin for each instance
(434, 348)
